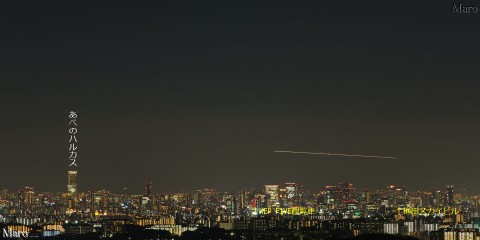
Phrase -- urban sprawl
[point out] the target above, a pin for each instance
(276, 211)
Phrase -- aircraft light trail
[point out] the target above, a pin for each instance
(334, 154)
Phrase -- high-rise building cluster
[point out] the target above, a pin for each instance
(290, 208)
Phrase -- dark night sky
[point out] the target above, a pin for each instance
(199, 94)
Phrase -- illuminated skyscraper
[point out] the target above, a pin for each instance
(25, 198)
(92, 201)
(294, 193)
(21, 200)
(72, 182)
(330, 194)
(231, 204)
(29, 195)
(148, 188)
(436, 198)
(291, 192)
(365, 197)
(272, 191)
(347, 191)
(242, 199)
(449, 201)
(282, 197)
(397, 196)
(4, 194)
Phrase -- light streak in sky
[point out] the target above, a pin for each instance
(334, 154)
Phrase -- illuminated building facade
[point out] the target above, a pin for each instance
(72, 182)
(449, 199)
(272, 191)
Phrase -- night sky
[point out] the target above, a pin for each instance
(199, 94)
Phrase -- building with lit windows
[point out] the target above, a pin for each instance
(272, 191)
(72, 182)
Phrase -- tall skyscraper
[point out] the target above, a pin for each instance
(295, 194)
(21, 200)
(72, 182)
(436, 198)
(148, 188)
(347, 191)
(231, 204)
(29, 196)
(397, 196)
(330, 195)
(291, 191)
(92, 201)
(282, 197)
(272, 191)
(365, 197)
(449, 201)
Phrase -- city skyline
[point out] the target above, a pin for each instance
(240, 120)
(283, 210)
(152, 190)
